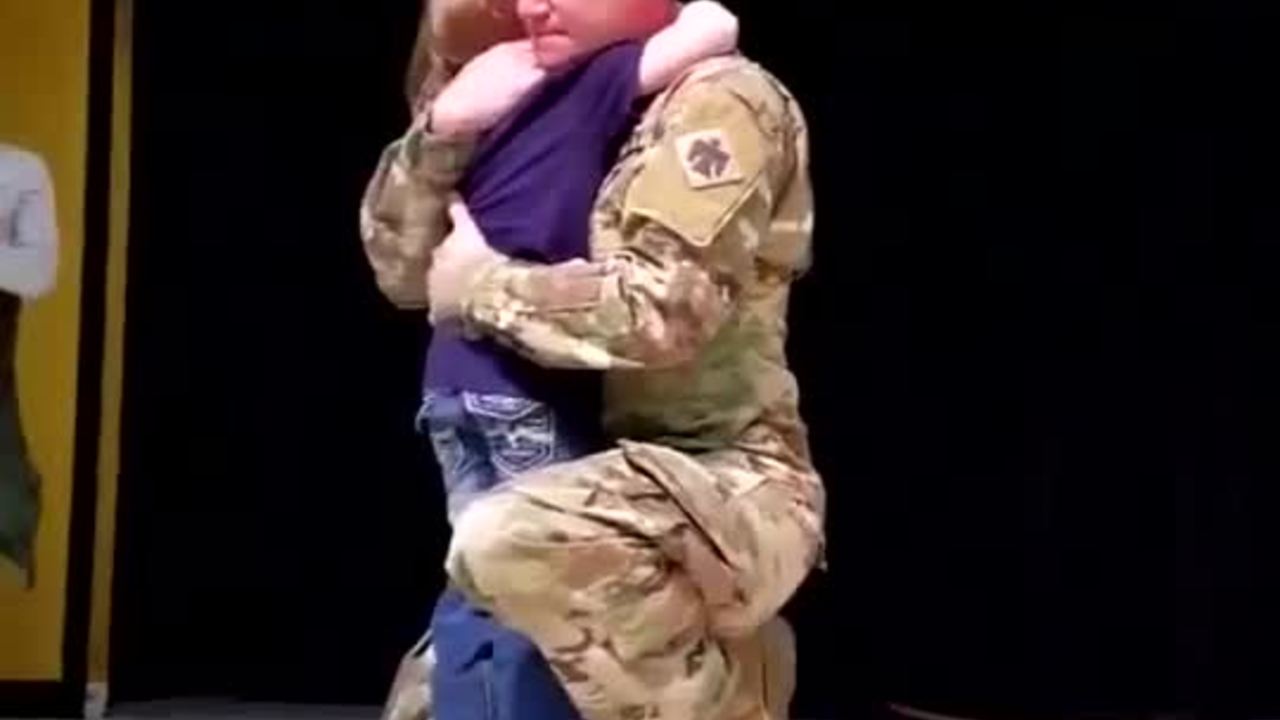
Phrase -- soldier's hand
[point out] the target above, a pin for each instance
(486, 89)
(457, 264)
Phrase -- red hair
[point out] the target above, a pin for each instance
(451, 32)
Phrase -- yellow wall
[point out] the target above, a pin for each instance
(44, 91)
(113, 354)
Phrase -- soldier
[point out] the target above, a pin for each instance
(28, 260)
(649, 574)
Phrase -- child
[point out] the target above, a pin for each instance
(490, 414)
(530, 187)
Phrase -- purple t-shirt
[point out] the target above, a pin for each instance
(531, 187)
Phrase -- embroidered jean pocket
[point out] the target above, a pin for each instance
(440, 420)
(452, 456)
(520, 432)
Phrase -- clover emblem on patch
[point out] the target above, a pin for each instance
(707, 159)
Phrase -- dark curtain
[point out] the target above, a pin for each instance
(1037, 350)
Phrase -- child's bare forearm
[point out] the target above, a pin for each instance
(703, 30)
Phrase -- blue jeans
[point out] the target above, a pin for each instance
(485, 671)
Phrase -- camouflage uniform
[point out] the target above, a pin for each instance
(645, 573)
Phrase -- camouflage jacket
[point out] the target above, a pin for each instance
(697, 235)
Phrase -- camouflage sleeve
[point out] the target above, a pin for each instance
(668, 266)
(403, 215)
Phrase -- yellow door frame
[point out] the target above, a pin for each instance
(60, 654)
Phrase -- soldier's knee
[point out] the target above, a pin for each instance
(483, 542)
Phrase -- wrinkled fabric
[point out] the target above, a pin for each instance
(635, 593)
(485, 671)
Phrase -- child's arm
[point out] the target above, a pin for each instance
(703, 30)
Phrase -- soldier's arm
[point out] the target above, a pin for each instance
(404, 211)
(668, 273)
(30, 261)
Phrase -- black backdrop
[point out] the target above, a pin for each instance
(1038, 351)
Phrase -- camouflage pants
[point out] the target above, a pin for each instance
(644, 574)
(19, 486)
